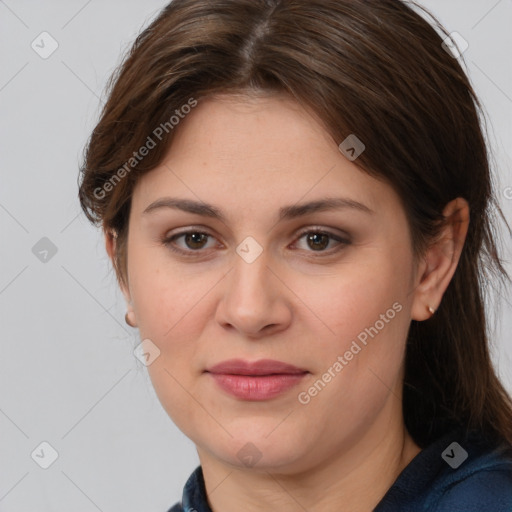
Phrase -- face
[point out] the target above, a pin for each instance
(257, 239)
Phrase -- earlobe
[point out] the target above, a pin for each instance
(440, 260)
(129, 318)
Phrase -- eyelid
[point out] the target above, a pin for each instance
(327, 231)
(189, 229)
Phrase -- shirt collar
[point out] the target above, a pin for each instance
(194, 493)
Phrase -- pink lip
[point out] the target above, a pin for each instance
(261, 367)
(259, 380)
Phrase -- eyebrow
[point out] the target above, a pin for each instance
(285, 213)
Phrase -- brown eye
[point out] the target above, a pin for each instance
(318, 241)
(189, 242)
(195, 240)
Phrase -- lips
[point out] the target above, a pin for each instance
(261, 367)
(258, 380)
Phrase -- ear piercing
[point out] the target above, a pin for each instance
(431, 309)
(128, 319)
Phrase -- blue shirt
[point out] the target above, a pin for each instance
(450, 475)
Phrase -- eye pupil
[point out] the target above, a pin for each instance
(195, 240)
(319, 240)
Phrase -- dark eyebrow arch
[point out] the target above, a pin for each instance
(285, 213)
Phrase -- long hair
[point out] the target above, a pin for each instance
(378, 70)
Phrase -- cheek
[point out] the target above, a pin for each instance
(171, 313)
(365, 316)
(172, 308)
(356, 297)
(164, 296)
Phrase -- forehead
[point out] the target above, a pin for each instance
(257, 153)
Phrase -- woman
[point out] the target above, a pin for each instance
(297, 200)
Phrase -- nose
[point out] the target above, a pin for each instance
(255, 302)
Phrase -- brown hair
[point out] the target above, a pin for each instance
(374, 69)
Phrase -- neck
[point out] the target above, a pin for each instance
(353, 479)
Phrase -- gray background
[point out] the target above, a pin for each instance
(68, 375)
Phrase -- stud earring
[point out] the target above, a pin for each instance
(128, 319)
(431, 309)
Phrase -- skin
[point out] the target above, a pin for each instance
(296, 303)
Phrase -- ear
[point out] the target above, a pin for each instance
(440, 261)
(110, 246)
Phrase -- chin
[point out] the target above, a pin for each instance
(251, 449)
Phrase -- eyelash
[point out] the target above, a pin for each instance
(168, 242)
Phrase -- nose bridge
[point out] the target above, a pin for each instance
(250, 286)
(253, 298)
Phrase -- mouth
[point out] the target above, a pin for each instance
(256, 381)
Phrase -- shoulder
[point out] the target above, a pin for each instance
(484, 483)
(176, 508)
(456, 473)
(478, 491)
